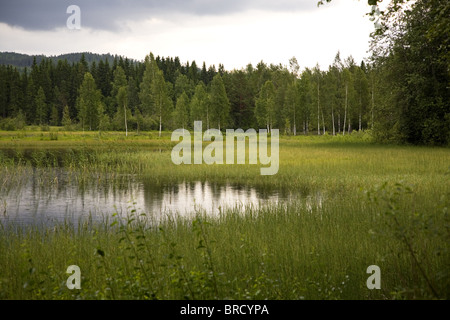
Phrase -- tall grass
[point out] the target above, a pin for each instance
(361, 204)
(278, 252)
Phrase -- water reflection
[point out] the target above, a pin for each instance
(186, 198)
(48, 195)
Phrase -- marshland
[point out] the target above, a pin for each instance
(336, 206)
(357, 207)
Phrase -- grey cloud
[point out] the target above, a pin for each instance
(105, 14)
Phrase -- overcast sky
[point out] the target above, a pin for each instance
(232, 32)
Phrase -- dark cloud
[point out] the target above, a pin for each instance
(105, 14)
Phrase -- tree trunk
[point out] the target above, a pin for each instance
(125, 113)
(295, 128)
(332, 118)
(307, 125)
(160, 116)
(345, 108)
(318, 108)
(372, 104)
(349, 125)
(360, 111)
(359, 129)
(339, 122)
(323, 123)
(160, 126)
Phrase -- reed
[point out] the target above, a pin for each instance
(361, 204)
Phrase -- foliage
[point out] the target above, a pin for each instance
(219, 103)
(402, 95)
(409, 232)
(414, 72)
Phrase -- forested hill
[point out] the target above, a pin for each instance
(20, 61)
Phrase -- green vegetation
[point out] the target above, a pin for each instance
(358, 204)
(401, 93)
(22, 61)
(353, 203)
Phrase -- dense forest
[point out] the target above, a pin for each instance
(401, 94)
(22, 61)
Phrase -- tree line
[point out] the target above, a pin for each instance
(401, 94)
(162, 94)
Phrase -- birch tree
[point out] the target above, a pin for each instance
(181, 113)
(88, 102)
(219, 103)
(347, 79)
(265, 106)
(362, 92)
(160, 98)
(292, 103)
(122, 101)
(199, 105)
(305, 89)
(317, 75)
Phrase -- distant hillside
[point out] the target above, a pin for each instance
(21, 61)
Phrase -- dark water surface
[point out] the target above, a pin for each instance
(53, 193)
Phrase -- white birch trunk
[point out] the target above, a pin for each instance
(345, 108)
(160, 126)
(295, 128)
(160, 115)
(125, 113)
(318, 108)
(332, 118)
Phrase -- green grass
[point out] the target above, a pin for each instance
(379, 205)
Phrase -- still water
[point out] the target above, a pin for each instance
(50, 190)
(50, 195)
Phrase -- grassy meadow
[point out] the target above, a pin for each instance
(355, 204)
